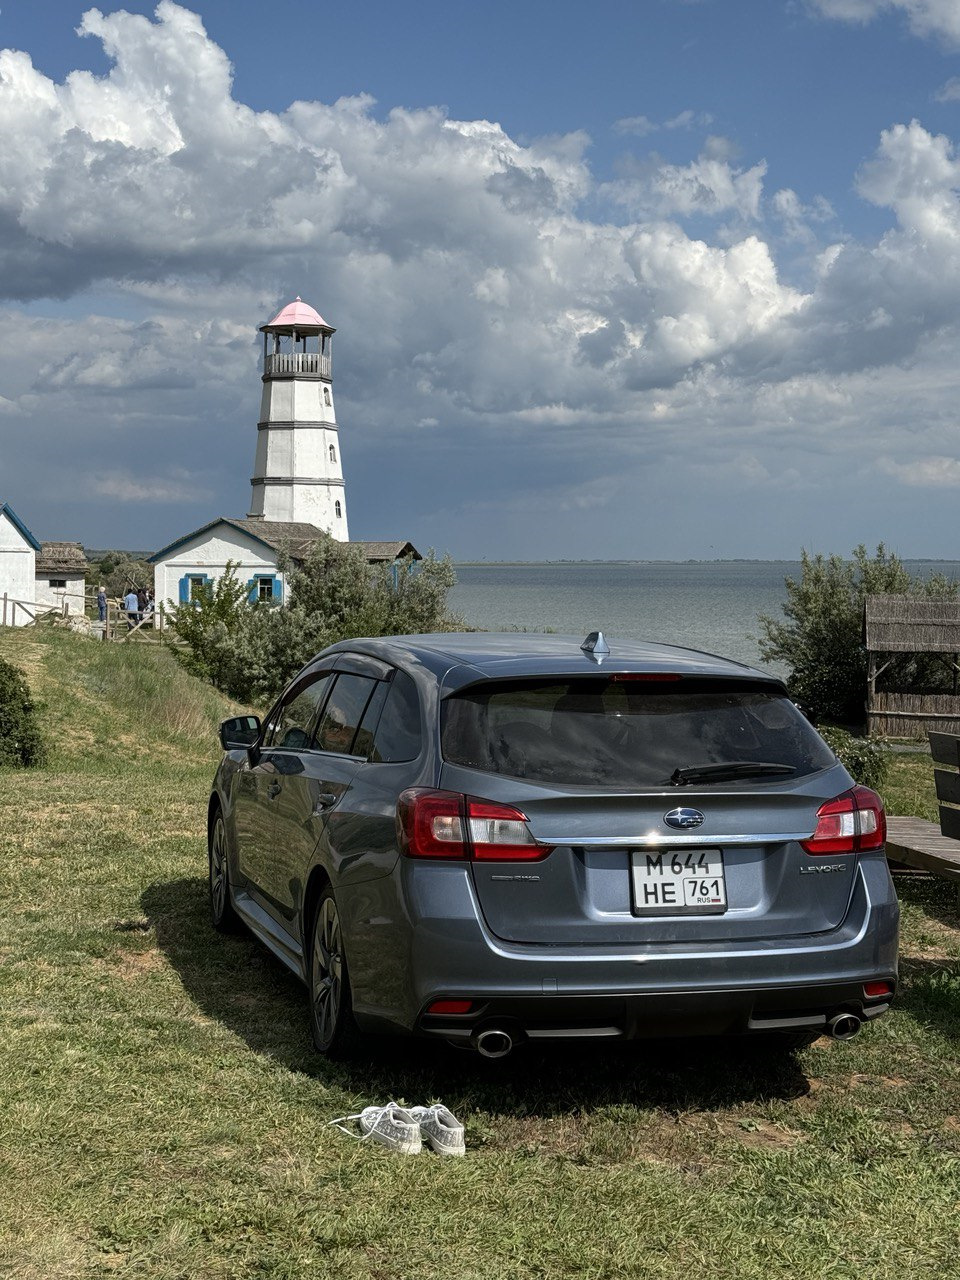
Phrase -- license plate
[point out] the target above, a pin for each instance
(678, 882)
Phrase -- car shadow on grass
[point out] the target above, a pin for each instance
(936, 896)
(234, 980)
(930, 993)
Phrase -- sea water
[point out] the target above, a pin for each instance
(710, 605)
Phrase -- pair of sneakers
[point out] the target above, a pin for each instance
(407, 1129)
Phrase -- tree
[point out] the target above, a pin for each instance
(821, 641)
(118, 571)
(250, 651)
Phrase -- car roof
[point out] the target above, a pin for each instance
(466, 657)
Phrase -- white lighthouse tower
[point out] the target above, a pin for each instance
(298, 475)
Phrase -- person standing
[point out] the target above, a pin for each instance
(130, 604)
(101, 603)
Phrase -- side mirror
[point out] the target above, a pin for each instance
(239, 732)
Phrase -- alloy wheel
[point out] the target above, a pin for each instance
(218, 870)
(327, 975)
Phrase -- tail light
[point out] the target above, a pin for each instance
(445, 824)
(852, 823)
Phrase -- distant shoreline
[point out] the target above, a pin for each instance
(523, 564)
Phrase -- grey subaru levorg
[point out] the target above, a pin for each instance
(494, 839)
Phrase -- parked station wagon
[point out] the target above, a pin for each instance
(493, 839)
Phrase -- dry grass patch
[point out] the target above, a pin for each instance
(165, 1116)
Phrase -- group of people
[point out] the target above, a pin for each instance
(138, 604)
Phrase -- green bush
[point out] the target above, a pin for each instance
(863, 758)
(21, 744)
(821, 641)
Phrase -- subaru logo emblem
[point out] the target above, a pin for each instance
(683, 819)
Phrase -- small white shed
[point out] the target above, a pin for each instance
(18, 556)
(61, 577)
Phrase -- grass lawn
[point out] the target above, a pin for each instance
(164, 1115)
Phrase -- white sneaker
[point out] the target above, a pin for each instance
(440, 1129)
(391, 1125)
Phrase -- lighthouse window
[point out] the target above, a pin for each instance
(326, 395)
(333, 454)
(338, 509)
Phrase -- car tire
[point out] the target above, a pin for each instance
(222, 914)
(334, 1030)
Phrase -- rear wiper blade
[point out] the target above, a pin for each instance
(727, 771)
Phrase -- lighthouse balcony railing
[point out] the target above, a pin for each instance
(297, 363)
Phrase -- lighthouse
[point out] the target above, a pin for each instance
(298, 473)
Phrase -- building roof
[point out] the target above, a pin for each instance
(298, 315)
(295, 535)
(61, 557)
(378, 552)
(8, 511)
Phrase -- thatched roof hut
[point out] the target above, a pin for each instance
(904, 624)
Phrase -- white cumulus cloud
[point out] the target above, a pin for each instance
(936, 18)
(504, 321)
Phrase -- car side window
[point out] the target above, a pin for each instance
(398, 734)
(291, 726)
(363, 742)
(343, 713)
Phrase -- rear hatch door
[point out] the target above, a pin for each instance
(619, 871)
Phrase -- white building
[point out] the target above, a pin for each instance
(18, 569)
(298, 486)
(199, 558)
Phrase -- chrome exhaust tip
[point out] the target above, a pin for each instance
(494, 1043)
(844, 1026)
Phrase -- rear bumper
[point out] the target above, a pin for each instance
(649, 1015)
(636, 991)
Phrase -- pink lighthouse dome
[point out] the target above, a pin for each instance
(297, 316)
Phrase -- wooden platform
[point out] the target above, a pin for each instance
(918, 843)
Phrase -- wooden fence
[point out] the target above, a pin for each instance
(913, 715)
(21, 613)
(116, 625)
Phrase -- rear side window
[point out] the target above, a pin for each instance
(343, 713)
(626, 735)
(398, 733)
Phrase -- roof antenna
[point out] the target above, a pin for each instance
(595, 647)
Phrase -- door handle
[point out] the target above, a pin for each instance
(324, 800)
(274, 790)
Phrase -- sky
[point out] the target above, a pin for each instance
(640, 279)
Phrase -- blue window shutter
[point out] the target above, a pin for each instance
(277, 590)
(185, 588)
(253, 591)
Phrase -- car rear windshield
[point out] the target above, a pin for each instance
(626, 734)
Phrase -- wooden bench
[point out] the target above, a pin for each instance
(945, 749)
(914, 842)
